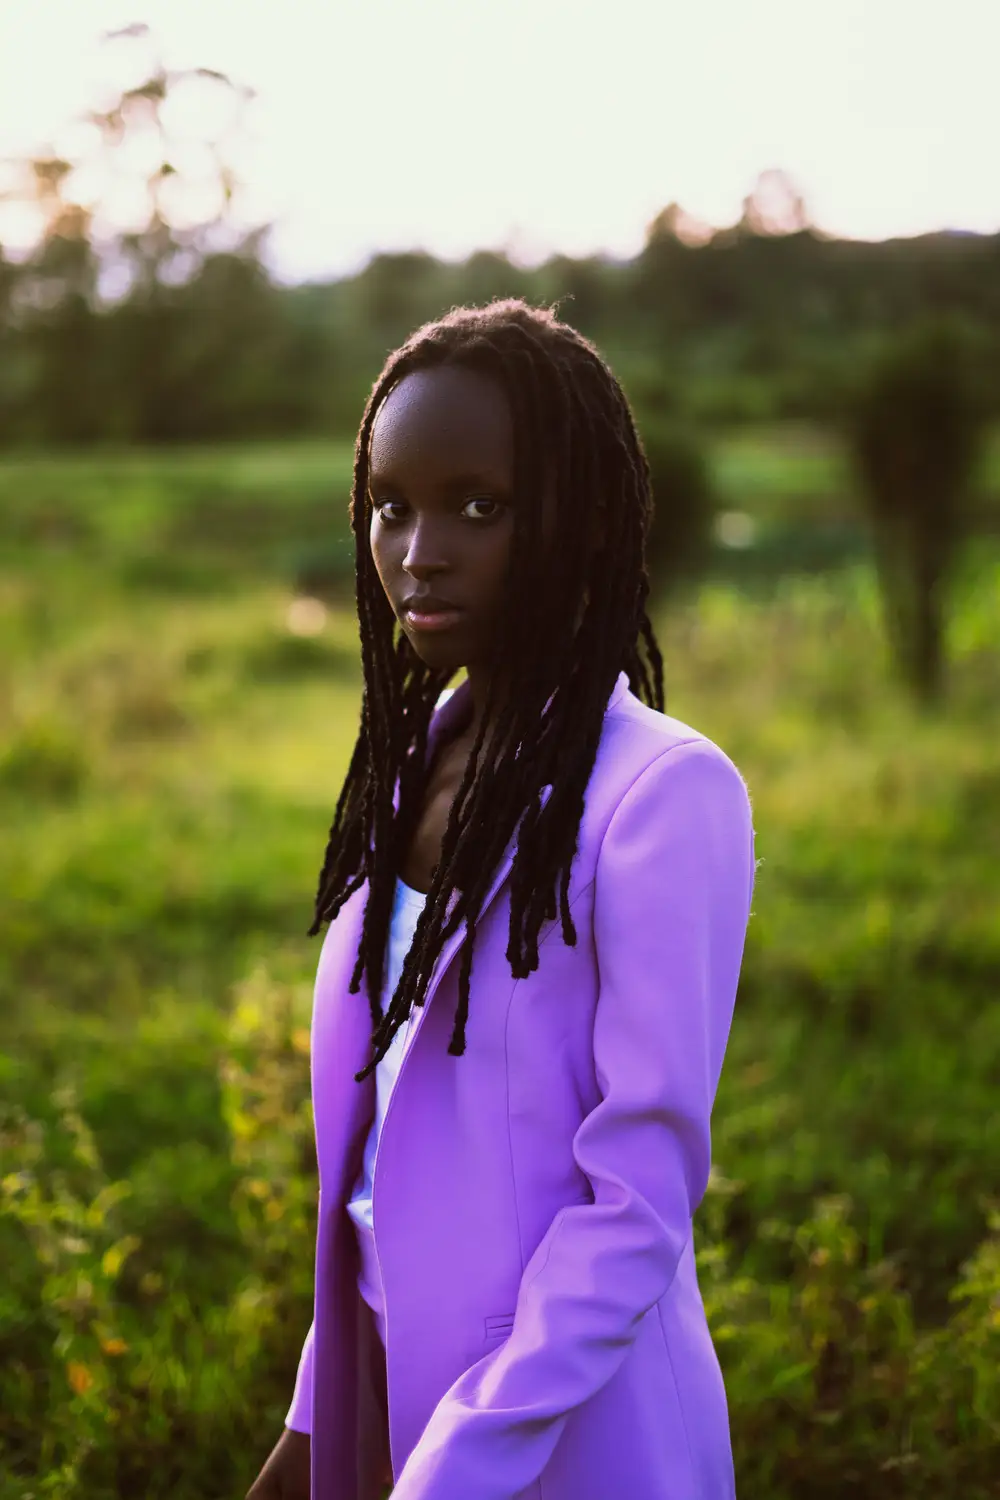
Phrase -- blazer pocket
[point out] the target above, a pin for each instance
(499, 1327)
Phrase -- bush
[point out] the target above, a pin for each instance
(914, 426)
(680, 539)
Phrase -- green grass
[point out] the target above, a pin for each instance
(170, 755)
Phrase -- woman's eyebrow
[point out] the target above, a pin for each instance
(452, 482)
(463, 481)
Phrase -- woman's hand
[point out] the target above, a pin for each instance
(285, 1475)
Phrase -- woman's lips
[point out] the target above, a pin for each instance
(438, 619)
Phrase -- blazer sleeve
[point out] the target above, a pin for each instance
(299, 1417)
(672, 897)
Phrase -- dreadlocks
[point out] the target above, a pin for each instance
(571, 419)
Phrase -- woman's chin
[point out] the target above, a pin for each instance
(440, 655)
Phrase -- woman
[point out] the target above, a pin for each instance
(520, 1315)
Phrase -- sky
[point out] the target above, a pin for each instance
(553, 125)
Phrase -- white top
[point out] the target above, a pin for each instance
(407, 906)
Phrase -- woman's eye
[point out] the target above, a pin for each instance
(482, 500)
(384, 513)
(380, 506)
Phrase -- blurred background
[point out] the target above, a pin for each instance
(781, 225)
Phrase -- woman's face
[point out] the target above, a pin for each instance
(440, 480)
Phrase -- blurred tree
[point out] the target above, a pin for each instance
(680, 538)
(484, 275)
(207, 359)
(394, 293)
(110, 313)
(652, 388)
(587, 284)
(70, 386)
(660, 277)
(184, 191)
(774, 206)
(914, 424)
(146, 311)
(51, 300)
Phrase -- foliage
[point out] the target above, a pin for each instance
(172, 759)
(680, 539)
(143, 1354)
(915, 427)
(170, 332)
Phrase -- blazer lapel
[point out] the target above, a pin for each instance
(444, 718)
(448, 714)
(453, 943)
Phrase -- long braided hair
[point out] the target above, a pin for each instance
(571, 420)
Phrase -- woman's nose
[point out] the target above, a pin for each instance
(426, 547)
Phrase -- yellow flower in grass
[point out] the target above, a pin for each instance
(79, 1377)
(114, 1345)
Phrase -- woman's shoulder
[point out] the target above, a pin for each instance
(636, 738)
(642, 735)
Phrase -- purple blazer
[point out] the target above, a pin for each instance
(533, 1199)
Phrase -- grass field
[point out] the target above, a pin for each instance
(170, 755)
